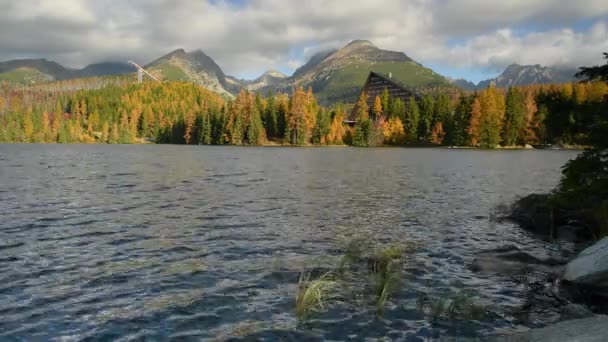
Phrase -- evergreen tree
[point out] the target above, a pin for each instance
(411, 119)
(398, 109)
(462, 117)
(386, 105)
(270, 117)
(255, 132)
(515, 117)
(322, 127)
(426, 118)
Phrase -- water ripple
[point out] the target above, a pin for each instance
(176, 242)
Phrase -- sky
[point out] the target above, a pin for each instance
(471, 39)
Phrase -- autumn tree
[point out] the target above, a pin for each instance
(393, 131)
(364, 124)
(337, 130)
(105, 132)
(28, 125)
(490, 124)
(297, 130)
(377, 107)
(437, 133)
(474, 129)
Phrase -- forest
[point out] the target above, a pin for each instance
(114, 110)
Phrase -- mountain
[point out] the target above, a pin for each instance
(29, 71)
(464, 84)
(33, 71)
(338, 75)
(520, 75)
(196, 67)
(106, 69)
(270, 78)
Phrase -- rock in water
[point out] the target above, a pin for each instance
(590, 267)
(574, 311)
(594, 329)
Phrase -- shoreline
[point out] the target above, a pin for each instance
(421, 146)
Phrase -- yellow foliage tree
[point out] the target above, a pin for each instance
(28, 125)
(437, 134)
(393, 131)
(474, 129)
(378, 106)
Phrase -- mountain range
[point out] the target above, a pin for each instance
(519, 75)
(334, 75)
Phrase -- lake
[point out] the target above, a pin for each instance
(113, 242)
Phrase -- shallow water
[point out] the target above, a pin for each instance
(189, 242)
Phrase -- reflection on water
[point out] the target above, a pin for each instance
(194, 242)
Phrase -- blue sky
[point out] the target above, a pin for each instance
(471, 39)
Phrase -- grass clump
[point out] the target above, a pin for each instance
(312, 295)
(452, 305)
(367, 269)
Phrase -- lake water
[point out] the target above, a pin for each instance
(109, 242)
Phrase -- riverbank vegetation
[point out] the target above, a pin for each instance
(116, 111)
(581, 199)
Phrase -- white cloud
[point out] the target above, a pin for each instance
(264, 34)
(554, 47)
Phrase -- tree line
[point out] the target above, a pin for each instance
(115, 111)
(517, 116)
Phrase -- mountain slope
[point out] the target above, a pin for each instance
(268, 79)
(519, 75)
(31, 71)
(196, 67)
(339, 75)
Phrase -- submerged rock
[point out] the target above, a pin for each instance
(574, 311)
(512, 261)
(593, 329)
(533, 213)
(590, 268)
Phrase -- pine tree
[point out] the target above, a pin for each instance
(515, 117)
(532, 125)
(255, 132)
(322, 127)
(474, 130)
(362, 108)
(189, 126)
(426, 117)
(462, 117)
(114, 134)
(28, 126)
(124, 134)
(437, 133)
(386, 105)
(270, 117)
(398, 109)
(493, 109)
(411, 119)
(377, 107)
(44, 127)
(105, 132)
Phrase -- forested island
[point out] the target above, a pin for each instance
(80, 111)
